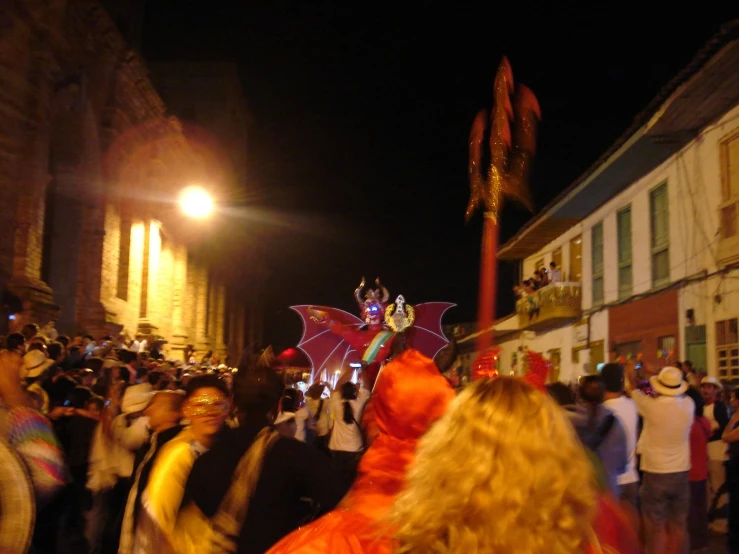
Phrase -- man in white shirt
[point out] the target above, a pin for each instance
(664, 446)
(136, 344)
(625, 411)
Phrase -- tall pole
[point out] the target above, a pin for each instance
(488, 282)
(511, 150)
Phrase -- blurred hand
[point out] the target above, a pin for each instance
(61, 411)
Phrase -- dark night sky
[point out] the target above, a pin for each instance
(360, 120)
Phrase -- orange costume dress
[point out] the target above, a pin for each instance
(409, 396)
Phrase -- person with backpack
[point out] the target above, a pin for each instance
(600, 431)
(319, 412)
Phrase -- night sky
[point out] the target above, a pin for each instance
(360, 117)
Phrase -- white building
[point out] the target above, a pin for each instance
(647, 239)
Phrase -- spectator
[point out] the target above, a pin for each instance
(600, 430)
(665, 459)
(290, 471)
(731, 436)
(555, 274)
(717, 414)
(625, 410)
(698, 514)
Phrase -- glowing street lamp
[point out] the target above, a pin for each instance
(195, 202)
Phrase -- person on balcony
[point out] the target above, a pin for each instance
(543, 277)
(555, 274)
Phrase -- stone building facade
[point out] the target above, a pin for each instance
(90, 167)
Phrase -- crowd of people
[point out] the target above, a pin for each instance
(127, 454)
(529, 288)
(664, 445)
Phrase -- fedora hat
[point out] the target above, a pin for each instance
(712, 381)
(35, 363)
(669, 382)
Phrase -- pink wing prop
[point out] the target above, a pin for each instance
(426, 335)
(327, 351)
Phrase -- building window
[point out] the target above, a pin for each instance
(124, 258)
(660, 227)
(597, 354)
(597, 251)
(629, 350)
(727, 349)
(729, 185)
(575, 260)
(665, 345)
(625, 283)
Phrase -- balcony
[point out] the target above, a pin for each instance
(549, 306)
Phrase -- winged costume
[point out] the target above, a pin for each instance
(337, 342)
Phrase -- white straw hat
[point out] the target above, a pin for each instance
(669, 382)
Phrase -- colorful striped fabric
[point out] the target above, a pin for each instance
(31, 435)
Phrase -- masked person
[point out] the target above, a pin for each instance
(164, 524)
(255, 485)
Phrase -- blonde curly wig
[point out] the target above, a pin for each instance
(501, 473)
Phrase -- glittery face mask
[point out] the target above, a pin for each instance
(205, 405)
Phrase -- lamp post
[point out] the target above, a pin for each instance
(195, 202)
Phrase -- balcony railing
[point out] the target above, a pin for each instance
(550, 305)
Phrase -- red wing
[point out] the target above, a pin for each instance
(327, 351)
(426, 334)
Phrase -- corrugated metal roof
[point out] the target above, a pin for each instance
(703, 98)
(701, 92)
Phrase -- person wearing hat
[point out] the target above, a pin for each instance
(130, 431)
(35, 364)
(717, 414)
(165, 413)
(664, 446)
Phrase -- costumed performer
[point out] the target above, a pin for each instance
(335, 340)
(373, 341)
(409, 396)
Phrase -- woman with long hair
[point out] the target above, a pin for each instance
(347, 441)
(502, 471)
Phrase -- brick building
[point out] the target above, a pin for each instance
(90, 167)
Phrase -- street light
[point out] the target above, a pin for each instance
(195, 202)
